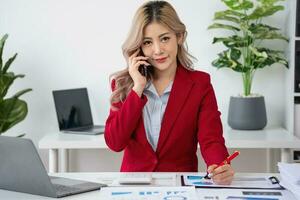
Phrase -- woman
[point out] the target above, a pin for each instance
(160, 107)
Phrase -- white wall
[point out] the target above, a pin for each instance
(75, 43)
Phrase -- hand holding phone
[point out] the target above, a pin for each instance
(145, 70)
(137, 64)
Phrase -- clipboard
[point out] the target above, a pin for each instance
(239, 182)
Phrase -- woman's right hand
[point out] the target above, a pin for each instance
(222, 175)
(139, 81)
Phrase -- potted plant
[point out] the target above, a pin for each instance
(12, 110)
(245, 53)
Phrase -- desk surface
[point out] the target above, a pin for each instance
(267, 138)
(160, 179)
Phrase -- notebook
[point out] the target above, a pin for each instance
(74, 113)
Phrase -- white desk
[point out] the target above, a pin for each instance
(159, 179)
(270, 138)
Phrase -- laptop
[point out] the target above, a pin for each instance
(74, 112)
(22, 170)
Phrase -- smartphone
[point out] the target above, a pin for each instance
(144, 69)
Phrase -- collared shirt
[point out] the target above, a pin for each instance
(153, 112)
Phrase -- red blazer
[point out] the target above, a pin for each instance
(191, 116)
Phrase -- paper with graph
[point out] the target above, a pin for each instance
(249, 182)
(148, 193)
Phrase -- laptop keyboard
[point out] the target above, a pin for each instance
(65, 186)
(62, 189)
(83, 128)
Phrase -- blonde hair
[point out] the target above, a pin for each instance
(158, 11)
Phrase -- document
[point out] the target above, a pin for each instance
(250, 182)
(148, 193)
(243, 194)
(290, 177)
(290, 172)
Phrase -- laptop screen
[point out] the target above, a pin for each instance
(72, 108)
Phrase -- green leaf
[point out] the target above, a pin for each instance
(218, 39)
(225, 63)
(261, 12)
(12, 111)
(221, 63)
(272, 35)
(257, 53)
(5, 82)
(232, 13)
(273, 57)
(2, 43)
(263, 31)
(226, 17)
(223, 26)
(235, 54)
(8, 63)
(229, 59)
(269, 2)
(238, 4)
(258, 28)
(18, 94)
(234, 41)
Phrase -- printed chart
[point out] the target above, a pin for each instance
(148, 193)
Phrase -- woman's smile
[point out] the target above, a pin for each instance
(161, 60)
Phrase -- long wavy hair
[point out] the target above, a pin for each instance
(152, 11)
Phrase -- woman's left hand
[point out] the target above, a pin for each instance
(222, 175)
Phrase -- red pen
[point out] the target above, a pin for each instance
(226, 161)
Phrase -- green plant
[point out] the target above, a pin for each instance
(12, 110)
(245, 52)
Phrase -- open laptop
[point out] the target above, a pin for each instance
(22, 170)
(74, 112)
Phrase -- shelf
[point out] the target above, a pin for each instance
(297, 94)
(270, 137)
(294, 58)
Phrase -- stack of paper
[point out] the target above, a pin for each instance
(290, 177)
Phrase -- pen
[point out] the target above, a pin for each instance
(226, 161)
